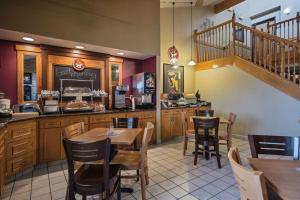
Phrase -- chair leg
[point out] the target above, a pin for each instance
(217, 154)
(196, 152)
(143, 187)
(107, 194)
(228, 145)
(138, 174)
(185, 143)
(119, 190)
(70, 194)
(146, 175)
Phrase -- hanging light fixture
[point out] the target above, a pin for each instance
(191, 62)
(173, 53)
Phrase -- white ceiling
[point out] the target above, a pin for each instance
(17, 36)
(186, 3)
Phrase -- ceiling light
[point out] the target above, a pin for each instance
(79, 47)
(28, 39)
(287, 11)
(120, 53)
(191, 62)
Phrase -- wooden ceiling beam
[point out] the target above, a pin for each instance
(225, 5)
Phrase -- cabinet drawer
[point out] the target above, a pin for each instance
(19, 148)
(148, 115)
(50, 123)
(98, 119)
(19, 164)
(18, 132)
(73, 120)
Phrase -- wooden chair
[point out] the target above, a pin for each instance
(125, 122)
(91, 179)
(274, 145)
(188, 133)
(73, 130)
(204, 113)
(210, 137)
(225, 137)
(251, 183)
(137, 160)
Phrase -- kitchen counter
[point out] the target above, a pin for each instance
(182, 107)
(4, 121)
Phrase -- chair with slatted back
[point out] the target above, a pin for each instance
(137, 160)
(252, 184)
(73, 130)
(188, 133)
(225, 137)
(91, 179)
(204, 113)
(210, 138)
(125, 122)
(274, 145)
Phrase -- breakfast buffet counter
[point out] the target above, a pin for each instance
(28, 141)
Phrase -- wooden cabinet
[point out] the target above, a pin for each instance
(115, 66)
(2, 158)
(171, 125)
(171, 122)
(20, 143)
(50, 144)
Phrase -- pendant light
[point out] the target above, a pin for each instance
(191, 62)
(172, 51)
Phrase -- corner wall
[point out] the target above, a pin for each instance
(260, 108)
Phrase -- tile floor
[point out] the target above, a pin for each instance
(172, 176)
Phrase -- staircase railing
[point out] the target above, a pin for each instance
(288, 29)
(277, 55)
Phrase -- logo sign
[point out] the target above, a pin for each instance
(173, 54)
(78, 65)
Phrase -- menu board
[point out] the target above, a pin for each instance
(89, 77)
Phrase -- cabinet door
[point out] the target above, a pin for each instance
(166, 126)
(51, 144)
(176, 127)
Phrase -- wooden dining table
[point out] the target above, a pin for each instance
(122, 136)
(282, 176)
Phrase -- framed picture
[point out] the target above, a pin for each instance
(27, 78)
(173, 79)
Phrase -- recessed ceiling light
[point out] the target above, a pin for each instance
(28, 39)
(120, 53)
(287, 11)
(79, 47)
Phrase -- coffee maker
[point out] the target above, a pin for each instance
(118, 96)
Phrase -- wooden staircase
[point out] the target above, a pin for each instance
(277, 54)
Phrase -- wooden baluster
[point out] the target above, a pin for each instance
(284, 36)
(294, 63)
(196, 44)
(288, 64)
(222, 41)
(229, 42)
(282, 63)
(219, 42)
(270, 54)
(233, 31)
(260, 49)
(275, 56)
(298, 27)
(264, 53)
(268, 27)
(253, 45)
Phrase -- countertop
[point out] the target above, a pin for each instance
(4, 121)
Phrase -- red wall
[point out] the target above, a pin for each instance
(148, 65)
(8, 70)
